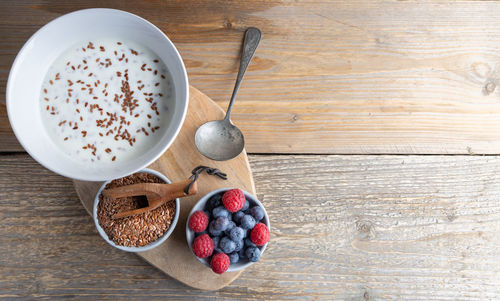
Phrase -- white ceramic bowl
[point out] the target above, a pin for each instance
(42, 49)
(200, 205)
(150, 246)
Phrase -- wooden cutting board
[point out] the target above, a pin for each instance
(174, 257)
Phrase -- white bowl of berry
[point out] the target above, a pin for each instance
(228, 230)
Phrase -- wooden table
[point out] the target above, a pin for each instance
(373, 129)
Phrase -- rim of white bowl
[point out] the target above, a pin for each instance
(20, 54)
(201, 203)
(147, 247)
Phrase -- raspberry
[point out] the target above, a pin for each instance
(259, 234)
(233, 200)
(203, 246)
(198, 221)
(220, 263)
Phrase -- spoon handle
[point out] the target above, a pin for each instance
(252, 39)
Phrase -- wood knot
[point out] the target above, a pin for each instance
(481, 69)
(365, 230)
(228, 23)
(489, 87)
(451, 217)
(294, 118)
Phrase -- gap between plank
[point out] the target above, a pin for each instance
(13, 153)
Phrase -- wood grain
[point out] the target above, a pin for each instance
(394, 77)
(173, 257)
(344, 228)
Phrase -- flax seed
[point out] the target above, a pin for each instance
(129, 105)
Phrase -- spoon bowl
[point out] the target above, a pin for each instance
(219, 140)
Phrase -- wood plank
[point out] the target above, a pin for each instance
(8, 142)
(344, 228)
(329, 76)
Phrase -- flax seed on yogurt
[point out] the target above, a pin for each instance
(106, 101)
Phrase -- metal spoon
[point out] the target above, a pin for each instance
(221, 140)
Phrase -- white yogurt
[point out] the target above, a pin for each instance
(106, 101)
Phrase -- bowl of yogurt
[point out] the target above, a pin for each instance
(97, 94)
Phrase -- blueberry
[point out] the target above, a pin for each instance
(237, 216)
(227, 245)
(221, 223)
(253, 254)
(220, 211)
(257, 212)
(237, 233)
(214, 201)
(229, 227)
(212, 230)
(249, 243)
(239, 245)
(242, 254)
(207, 212)
(234, 257)
(216, 240)
(246, 205)
(247, 222)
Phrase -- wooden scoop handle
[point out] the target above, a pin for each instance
(176, 190)
(157, 194)
(170, 191)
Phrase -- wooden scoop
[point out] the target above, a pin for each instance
(156, 194)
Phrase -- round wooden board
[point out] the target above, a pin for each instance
(174, 257)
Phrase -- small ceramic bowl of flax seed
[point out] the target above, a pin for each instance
(136, 233)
